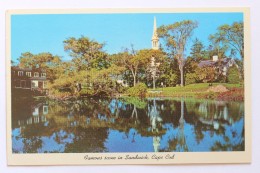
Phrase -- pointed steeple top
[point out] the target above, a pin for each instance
(155, 36)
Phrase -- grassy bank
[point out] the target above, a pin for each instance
(235, 92)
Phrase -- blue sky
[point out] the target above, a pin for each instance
(46, 32)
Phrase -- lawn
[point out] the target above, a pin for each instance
(192, 90)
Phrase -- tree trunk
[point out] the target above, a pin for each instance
(182, 75)
(134, 79)
(134, 76)
(154, 82)
(181, 120)
(181, 65)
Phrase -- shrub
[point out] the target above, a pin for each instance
(138, 90)
(211, 95)
(235, 94)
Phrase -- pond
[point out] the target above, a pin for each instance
(92, 125)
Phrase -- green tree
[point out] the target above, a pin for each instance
(197, 50)
(145, 71)
(233, 36)
(132, 61)
(190, 69)
(169, 72)
(41, 60)
(190, 78)
(176, 37)
(233, 75)
(94, 83)
(217, 47)
(46, 61)
(206, 74)
(86, 53)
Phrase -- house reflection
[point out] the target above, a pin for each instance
(215, 114)
(38, 115)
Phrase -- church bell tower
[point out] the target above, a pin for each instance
(155, 38)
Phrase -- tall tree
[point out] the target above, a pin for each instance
(176, 37)
(145, 73)
(197, 50)
(132, 60)
(86, 53)
(232, 35)
(217, 47)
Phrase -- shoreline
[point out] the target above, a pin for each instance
(203, 95)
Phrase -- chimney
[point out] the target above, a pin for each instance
(215, 58)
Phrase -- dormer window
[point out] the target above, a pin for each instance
(20, 73)
(43, 74)
(28, 74)
(36, 74)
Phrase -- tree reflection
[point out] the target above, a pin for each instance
(32, 145)
(90, 140)
(84, 125)
(179, 143)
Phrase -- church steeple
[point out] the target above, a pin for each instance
(155, 38)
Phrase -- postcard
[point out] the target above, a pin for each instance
(128, 86)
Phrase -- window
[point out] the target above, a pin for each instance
(28, 74)
(36, 112)
(34, 84)
(28, 84)
(45, 110)
(44, 84)
(17, 84)
(43, 74)
(23, 83)
(36, 74)
(20, 73)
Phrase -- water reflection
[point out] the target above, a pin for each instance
(126, 125)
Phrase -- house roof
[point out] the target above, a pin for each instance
(223, 62)
(21, 69)
(17, 68)
(206, 63)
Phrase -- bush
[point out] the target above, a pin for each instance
(138, 90)
(85, 92)
(235, 94)
(59, 95)
(221, 79)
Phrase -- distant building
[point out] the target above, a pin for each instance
(221, 65)
(27, 78)
(155, 38)
(122, 82)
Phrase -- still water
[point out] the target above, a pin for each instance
(126, 125)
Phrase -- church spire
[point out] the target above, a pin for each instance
(155, 39)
